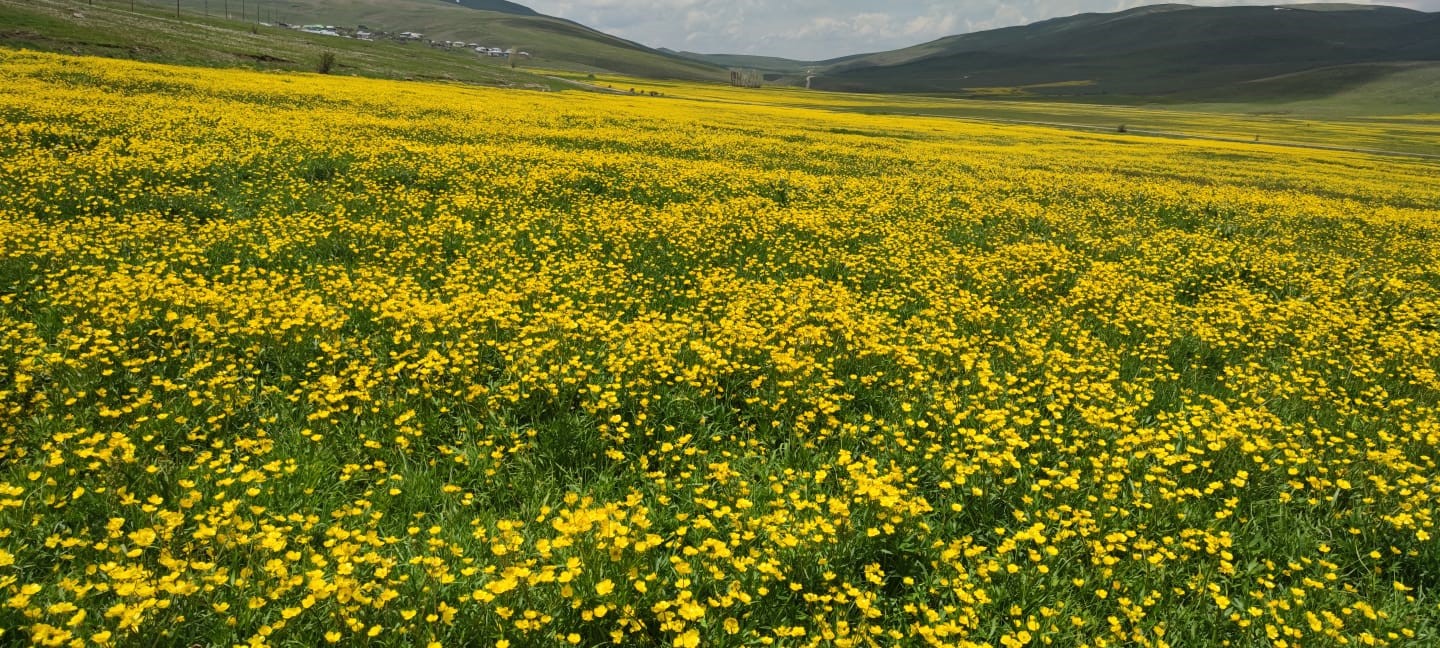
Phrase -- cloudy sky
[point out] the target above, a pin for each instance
(818, 29)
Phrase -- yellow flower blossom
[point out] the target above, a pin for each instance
(287, 359)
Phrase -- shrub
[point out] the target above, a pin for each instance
(327, 63)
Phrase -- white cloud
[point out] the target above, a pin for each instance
(817, 29)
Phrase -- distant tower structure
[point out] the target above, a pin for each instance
(809, 76)
(743, 78)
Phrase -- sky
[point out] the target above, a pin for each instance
(820, 29)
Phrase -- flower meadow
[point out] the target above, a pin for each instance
(294, 360)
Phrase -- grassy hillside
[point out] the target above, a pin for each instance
(203, 35)
(1350, 120)
(1364, 89)
(1170, 51)
(763, 63)
(501, 6)
(554, 42)
(151, 34)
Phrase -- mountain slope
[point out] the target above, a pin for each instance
(1165, 50)
(553, 42)
(156, 35)
(762, 63)
(501, 6)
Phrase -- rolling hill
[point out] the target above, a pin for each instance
(554, 42)
(221, 32)
(1382, 58)
(1174, 51)
(501, 6)
(1169, 52)
(763, 63)
(148, 33)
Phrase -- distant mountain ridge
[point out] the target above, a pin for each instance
(1152, 51)
(500, 6)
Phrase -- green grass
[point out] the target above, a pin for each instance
(773, 64)
(1322, 125)
(815, 353)
(112, 30)
(152, 32)
(1355, 120)
(1397, 89)
(553, 42)
(1173, 53)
